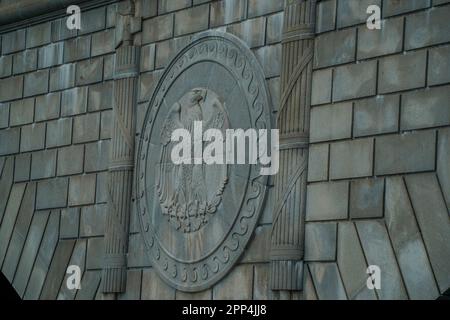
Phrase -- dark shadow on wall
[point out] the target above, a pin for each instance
(7, 291)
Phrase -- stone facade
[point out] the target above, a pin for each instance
(378, 178)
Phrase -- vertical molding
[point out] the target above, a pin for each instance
(287, 238)
(120, 174)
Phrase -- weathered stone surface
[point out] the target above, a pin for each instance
(325, 16)
(25, 61)
(47, 107)
(263, 7)
(146, 8)
(366, 198)
(52, 193)
(95, 252)
(407, 242)
(378, 251)
(60, 30)
(427, 28)
(102, 42)
(156, 29)
(191, 20)
(343, 43)
(147, 58)
(309, 292)
(376, 115)
(443, 163)
(102, 187)
(331, 122)
(21, 112)
(13, 41)
(10, 141)
(32, 137)
(318, 162)
(438, 65)
(274, 28)
(22, 167)
(434, 223)
(257, 248)
(11, 88)
(137, 256)
(6, 181)
(320, 241)
(327, 281)
(410, 152)
(51, 55)
(402, 72)
(6, 63)
(97, 156)
(78, 258)
(172, 5)
(351, 12)
(70, 160)
(105, 124)
(270, 59)
(352, 264)
(153, 288)
(321, 86)
(166, 50)
(391, 8)
(147, 84)
(351, 159)
(43, 164)
(89, 285)
(82, 190)
(89, 71)
(425, 108)
(100, 96)
(236, 285)
(387, 40)
(93, 20)
(59, 132)
(134, 281)
(4, 115)
(74, 101)
(327, 201)
(108, 67)
(225, 12)
(35, 83)
(202, 295)
(251, 31)
(77, 49)
(39, 35)
(86, 127)
(70, 221)
(354, 81)
(62, 77)
(261, 289)
(92, 221)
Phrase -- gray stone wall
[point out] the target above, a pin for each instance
(379, 173)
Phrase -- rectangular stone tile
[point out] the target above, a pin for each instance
(147, 58)
(70, 221)
(434, 223)
(52, 193)
(146, 8)
(443, 163)
(51, 55)
(25, 61)
(351, 12)
(10, 141)
(108, 67)
(325, 16)
(6, 182)
(172, 5)
(90, 283)
(427, 28)
(407, 242)
(327, 281)
(378, 251)
(309, 292)
(147, 84)
(391, 8)
(86, 128)
(47, 107)
(351, 159)
(77, 49)
(43, 164)
(95, 253)
(320, 241)
(261, 288)
(11, 88)
(343, 43)
(439, 65)
(270, 59)
(132, 290)
(101, 96)
(93, 20)
(22, 167)
(331, 122)
(366, 198)
(318, 162)
(74, 101)
(376, 115)
(191, 20)
(354, 81)
(153, 288)
(226, 12)
(82, 190)
(21, 112)
(166, 50)
(263, 7)
(202, 295)
(106, 124)
(410, 152)
(97, 156)
(256, 250)
(137, 255)
(102, 187)
(274, 28)
(321, 86)
(70, 160)
(426, 108)
(6, 63)
(327, 201)
(4, 115)
(35, 83)
(60, 30)
(59, 132)
(157, 29)
(89, 71)
(62, 77)
(238, 284)
(32, 137)
(252, 32)
(13, 41)
(39, 35)
(78, 258)
(103, 42)
(92, 220)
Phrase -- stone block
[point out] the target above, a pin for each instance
(274, 28)
(32, 137)
(166, 50)
(60, 30)
(51, 193)
(6, 63)
(21, 112)
(426, 108)
(327, 201)
(137, 255)
(90, 284)
(39, 35)
(226, 12)
(77, 49)
(366, 198)
(191, 20)
(78, 258)
(270, 59)
(101, 96)
(376, 115)
(103, 42)
(86, 128)
(261, 287)
(147, 8)
(4, 115)
(97, 156)
(355, 81)
(47, 107)
(147, 58)
(331, 122)
(11, 88)
(202, 295)
(410, 152)
(95, 253)
(22, 167)
(325, 16)
(70, 221)
(351, 12)
(10, 139)
(59, 132)
(13, 41)
(327, 281)
(70, 160)
(108, 67)
(391, 8)
(443, 163)
(320, 241)
(133, 288)
(274, 89)
(402, 72)
(439, 65)
(106, 124)
(321, 86)
(375, 43)
(93, 20)
(165, 6)
(62, 77)
(263, 7)
(427, 28)
(92, 220)
(35, 83)
(51, 55)
(82, 190)
(318, 162)
(252, 32)
(257, 247)
(147, 84)
(153, 288)
(74, 101)
(25, 61)
(351, 159)
(101, 192)
(343, 43)
(157, 29)
(43, 164)
(238, 284)
(89, 71)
